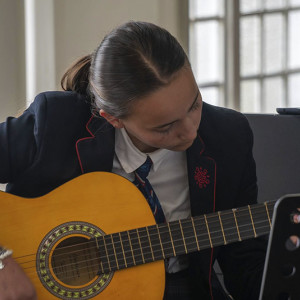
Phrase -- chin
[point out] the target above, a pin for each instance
(181, 147)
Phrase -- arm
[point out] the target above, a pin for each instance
(17, 146)
(17, 150)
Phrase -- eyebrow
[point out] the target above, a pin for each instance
(170, 123)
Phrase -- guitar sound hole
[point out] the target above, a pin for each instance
(75, 261)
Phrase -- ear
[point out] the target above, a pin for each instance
(117, 123)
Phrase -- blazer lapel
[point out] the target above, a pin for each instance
(202, 178)
(95, 152)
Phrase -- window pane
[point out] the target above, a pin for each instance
(204, 8)
(273, 37)
(250, 96)
(294, 94)
(273, 96)
(206, 51)
(250, 45)
(295, 2)
(294, 39)
(211, 95)
(272, 4)
(249, 5)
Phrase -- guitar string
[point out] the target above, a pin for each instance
(187, 237)
(139, 262)
(156, 234)
(149, 253)
(239, 214)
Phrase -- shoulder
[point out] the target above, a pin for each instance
(222, 119)
(59, 106)
(64, 113)
(60, 99)
(224, 126)
(222, 115)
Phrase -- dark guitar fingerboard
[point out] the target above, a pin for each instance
(156, 242)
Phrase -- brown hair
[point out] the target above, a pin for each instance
(132, 61)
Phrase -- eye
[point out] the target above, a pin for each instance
(195, 106)
(165, 131)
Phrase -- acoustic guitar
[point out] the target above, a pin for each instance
(95, 238)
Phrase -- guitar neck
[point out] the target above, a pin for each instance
(156, 242)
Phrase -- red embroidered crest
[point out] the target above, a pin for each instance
(201, 177)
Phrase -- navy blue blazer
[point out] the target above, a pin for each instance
(58, 138)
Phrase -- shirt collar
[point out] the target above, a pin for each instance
(131, 157)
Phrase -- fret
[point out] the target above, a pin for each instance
(150, 243)
(110, 252)
(155, 242)
(166, 239)
(260, 219)
(145, 245)
(136, 249)
(106, 254)
(202, 233)
(236, 223)
(139, 241)
(121, 242)
(131, 249)
(162, 249)
(252, 223)
(230, 226)
(182, 236)
(244, 219)
(267, 211)
(213, 225)
(190, 237)
(211, 245)
(171, 239)
(225, 242)
(177, 237)
(251, 218)
(113, 246)
(99, 251)
(196, 238)
(126, 249)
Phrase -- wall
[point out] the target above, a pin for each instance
(12, 57)
(81, 25)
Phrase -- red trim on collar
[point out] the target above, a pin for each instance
(203, 145)
(87, 126)
(82, 139)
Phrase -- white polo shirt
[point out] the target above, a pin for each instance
(168, 177)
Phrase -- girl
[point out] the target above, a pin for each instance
(133, 100)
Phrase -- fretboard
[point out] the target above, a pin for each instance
(156, 242)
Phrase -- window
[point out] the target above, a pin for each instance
(245, 53)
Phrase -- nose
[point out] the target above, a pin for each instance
(188, 130)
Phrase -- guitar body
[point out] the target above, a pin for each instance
(89, 206)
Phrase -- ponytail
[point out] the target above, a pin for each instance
(76, 78)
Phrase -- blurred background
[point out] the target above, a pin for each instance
(245, 53)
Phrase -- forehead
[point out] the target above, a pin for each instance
(168, 103)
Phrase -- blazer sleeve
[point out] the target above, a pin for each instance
(19, 140)
(242, 263)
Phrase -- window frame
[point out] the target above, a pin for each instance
(231, 55)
